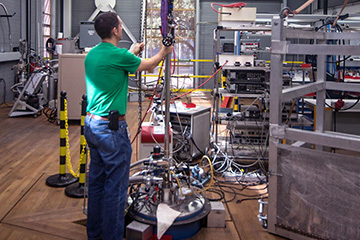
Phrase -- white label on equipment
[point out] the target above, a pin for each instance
(159, 130)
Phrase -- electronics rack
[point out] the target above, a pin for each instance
(246, 83)
(246, 79)
(248, 127)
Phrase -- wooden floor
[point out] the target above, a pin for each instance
(29, 153)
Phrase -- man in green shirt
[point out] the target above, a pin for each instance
(106, 72)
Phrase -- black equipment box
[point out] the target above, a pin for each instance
(246, 79)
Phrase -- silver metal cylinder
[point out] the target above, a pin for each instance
(51, 88)
(167, 197)
(167, 103)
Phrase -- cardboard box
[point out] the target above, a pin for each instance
(245, 14)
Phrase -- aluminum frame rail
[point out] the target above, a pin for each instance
(281, 46)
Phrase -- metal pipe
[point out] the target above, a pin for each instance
(136, 179)
(38, 36)
(139, 162)
(61, 19)
(139, 179)
(216, 85)
(167, 103)
(9, 26)
(284, 4)
(67, 18)
(141, 38)
(197, 41)
(325, 10)
(28, 33)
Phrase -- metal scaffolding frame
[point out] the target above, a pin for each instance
(319, 138)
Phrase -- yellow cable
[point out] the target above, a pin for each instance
(212, 172)
(178, 182)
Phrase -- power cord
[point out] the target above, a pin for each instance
(234, 5)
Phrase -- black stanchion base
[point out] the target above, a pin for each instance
(58, 180)
(75, 190)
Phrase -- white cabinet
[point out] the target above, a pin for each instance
(72, 80)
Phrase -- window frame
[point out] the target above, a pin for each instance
(153, 40)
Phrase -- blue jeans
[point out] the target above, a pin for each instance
(110, 153)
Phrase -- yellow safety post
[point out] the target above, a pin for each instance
(77, 190)
(62, 179)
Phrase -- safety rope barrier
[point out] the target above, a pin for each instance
(62, 179)
(68, 154)
(62, 135)
(77, 190)
(83, 141)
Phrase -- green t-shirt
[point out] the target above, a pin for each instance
(106, 75)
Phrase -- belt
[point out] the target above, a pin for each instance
(104, 118)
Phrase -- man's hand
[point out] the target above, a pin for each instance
(139, 47)
(166, 50)
(150, 64)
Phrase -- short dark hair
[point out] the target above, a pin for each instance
(104, 24)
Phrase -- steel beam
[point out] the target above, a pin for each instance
(303, 34)
(327, 138)
(285, 47)
(351, 87)
(275, 118)
(167, 104)
(299, 91)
